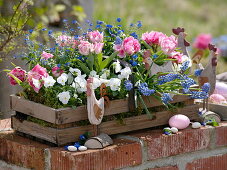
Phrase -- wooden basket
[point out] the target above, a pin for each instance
(63, 120)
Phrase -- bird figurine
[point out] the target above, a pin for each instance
(181, 42)
(95, 107)
(208, 74)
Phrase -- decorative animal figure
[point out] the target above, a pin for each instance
(95, 107)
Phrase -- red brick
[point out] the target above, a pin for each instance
(21, 151)
(5, 124)
(166, 168)
(221, 134)
(123, 153)
(187, 140)
(218, 162)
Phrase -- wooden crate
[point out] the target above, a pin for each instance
(65, 131)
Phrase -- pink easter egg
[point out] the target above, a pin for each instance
(221, 88)
(217, 98)
(179, 121)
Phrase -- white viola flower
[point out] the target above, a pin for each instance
(96, 83)
(106, 73)
(75, 96)
(49, 81)
(62, 79)
(64, 97)
(36, 83)
(115, 84)
(75, 71)
(80, 84)
(93, 74)
(73, 85)
(117, 66)
(105, 81)
(125, 73)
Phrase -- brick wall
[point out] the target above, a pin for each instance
(191, 149)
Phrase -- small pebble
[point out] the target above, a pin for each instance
(174, 129)
(196, 125)
(82, 148)
(72, 148)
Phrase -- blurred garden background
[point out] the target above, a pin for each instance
(196, 16)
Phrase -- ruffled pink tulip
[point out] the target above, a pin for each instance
(19, 73)
(202, 41)
(95, 36)
(56, 71)
(168, 44)
(152, 37)
(46, 55)
(177, 56)
(85, 47)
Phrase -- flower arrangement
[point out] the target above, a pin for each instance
(108, 56)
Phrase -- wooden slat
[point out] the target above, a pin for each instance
(33, 129)
(67, 115)
(37, 110)
(142, 122)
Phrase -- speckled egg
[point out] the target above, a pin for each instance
(179, 121)
(72, 148)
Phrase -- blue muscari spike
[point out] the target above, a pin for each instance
(134, 63)
(166, 98)
(77, 145)
(128, 85)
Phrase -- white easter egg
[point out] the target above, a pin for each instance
(82, 148)
(174, 129)
(72, 148)
(196, 125)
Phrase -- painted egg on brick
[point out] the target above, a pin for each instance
(72, 148)
(82, 148)
(179, 121)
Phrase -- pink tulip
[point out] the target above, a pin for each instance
(168, 44)
(56, 71)
(95, 36)
(98, 47)
(202, 41)
(152, 37)
(85, 47)
(19, 73)
(177, 56)
(46, 55)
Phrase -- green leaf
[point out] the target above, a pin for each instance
(145, 107)
(98, 62)
(83, 67)
(6, 70)
(90, 61)
(15, 78)
(107, 61)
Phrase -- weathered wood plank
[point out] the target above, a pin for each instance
(33, 129)
(37, 110)
(142, 122)
(67, 115)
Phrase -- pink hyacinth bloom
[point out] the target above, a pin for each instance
(19, 73)
(46, 55)
(97, 47)
(56, 71)
(95, 36)
(177, 56)
(152, 37)
(168, 44)
(37, 73)
(202, 41)
(85, 47)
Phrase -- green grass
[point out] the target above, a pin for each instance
(196, 16)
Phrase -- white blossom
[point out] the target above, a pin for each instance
(115, 84)
(80, 84)
(75, 96)
(125, 73)
(105, 81)
(62, 79)
(117, 66)
(49, 81)
(75, 71)
(93, 74)
(64, 97)
(96, 83)
(106, 73)
(36, 83)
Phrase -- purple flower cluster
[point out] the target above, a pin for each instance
(166, 98)
(143, 88)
